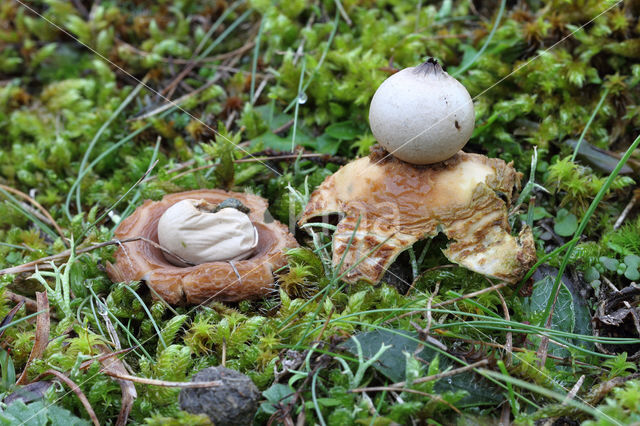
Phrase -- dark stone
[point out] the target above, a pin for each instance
(234, 403)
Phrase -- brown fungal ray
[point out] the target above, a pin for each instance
(139, 260)
(387, 205)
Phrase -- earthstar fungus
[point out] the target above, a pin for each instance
(218, 280)
(387, 204)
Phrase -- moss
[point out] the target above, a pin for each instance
(58, 100)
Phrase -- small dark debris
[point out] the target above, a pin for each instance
(399, 274)
(233, 404)
(233, 203)
(457, 125)
(617, 316)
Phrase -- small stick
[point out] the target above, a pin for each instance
(574, 390)
(626, 211)
(343, 12)
(170, 103)
(259, 90)
(438, 376)
(516, 349)
(473, 294)
(224, 352)
(429, 316)
(244, 160)
(30, 266)
(75, 389)
(408, 390)
(104, 356)
(279, 157)
(284, 127)
(448, 302)
(29, 304)
(163, 383)
(509, 337)
(326, 323)
(505, 414)
(230, 120)
(179, 61)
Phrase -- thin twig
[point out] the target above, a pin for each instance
(284, 127)
(81, 396)
(626, 210)
(343, 12)
(574, 390)
(224, 352)
(30, 266)
(29, 304)
(180, 61)
(260, 88)
(163, 383)
(517, 349)
(433, 377)
(448, 302)
(165, 106)
(280, 157)
(409, 390)
(509, 337)
(104, 356)
(168, 91)
(326, 323)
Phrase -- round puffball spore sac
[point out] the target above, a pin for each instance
(191, 230)
(421, 114)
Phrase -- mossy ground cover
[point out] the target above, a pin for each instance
(87, 134)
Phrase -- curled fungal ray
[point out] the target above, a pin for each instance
(386, 205)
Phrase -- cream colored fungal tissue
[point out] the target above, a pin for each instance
(190, 230)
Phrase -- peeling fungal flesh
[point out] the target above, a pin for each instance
(223, 281)
(387, 206)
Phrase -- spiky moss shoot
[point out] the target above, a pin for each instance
(199, 337)
(297, 281)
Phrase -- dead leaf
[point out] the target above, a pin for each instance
(42, 334)
(9, 317)
(114, 366)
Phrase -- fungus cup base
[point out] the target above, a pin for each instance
(387, 205)
(139, 260)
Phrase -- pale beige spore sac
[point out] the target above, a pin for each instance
(190, 230)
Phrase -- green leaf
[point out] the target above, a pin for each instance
(632, 274)
(564, 316)
(609, 263)
(326, 144)
(278, 393)
(8, 370)
(591, 274)
(345, 130)
(39, 414)
(566, 223)
(632, 261)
